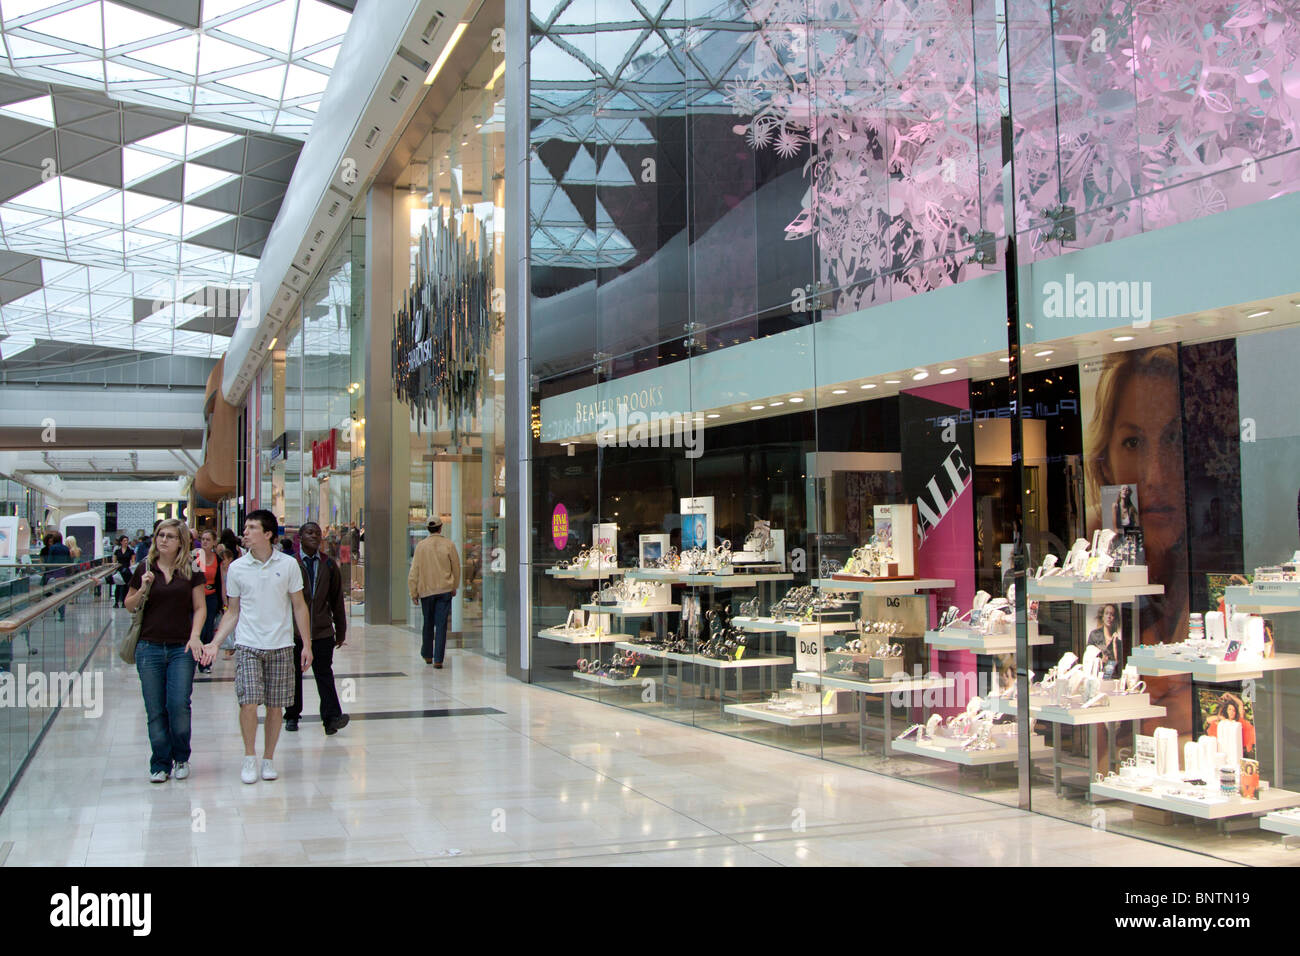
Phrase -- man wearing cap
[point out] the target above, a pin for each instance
(434, 578)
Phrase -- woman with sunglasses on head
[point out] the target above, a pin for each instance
(170, 645)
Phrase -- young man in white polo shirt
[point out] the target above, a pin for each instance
(264, 591)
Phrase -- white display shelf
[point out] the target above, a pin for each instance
(1286, 824)
(1090, 592)
(623, 610)
(721, 581)
(550, 634)
(584, 574)
(966, 639)
(1235, 806)
(886, 588)
(610, 682)
(743, 663)
(764, 625)
(1213, 671)
(942, 749)
(1080, 717)
(1266, 597)
(904, 684)
(758, 712)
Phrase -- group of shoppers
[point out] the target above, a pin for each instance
(271, 599)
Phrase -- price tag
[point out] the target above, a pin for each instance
(645, 600)
(827, 699)
(740, 652)
(636, 670)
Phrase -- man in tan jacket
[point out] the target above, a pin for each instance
(434, 578)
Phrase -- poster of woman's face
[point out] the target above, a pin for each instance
(1119, 508)
(1105, 632)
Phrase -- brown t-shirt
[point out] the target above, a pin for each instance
(169, 611)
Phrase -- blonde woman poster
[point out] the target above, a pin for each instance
(1133, 435)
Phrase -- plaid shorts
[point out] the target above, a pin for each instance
(264, 677)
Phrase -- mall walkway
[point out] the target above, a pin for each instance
(466, 766)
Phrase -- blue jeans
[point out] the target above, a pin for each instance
(213, 602)
(436, 608)
(166, 678)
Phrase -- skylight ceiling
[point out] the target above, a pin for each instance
(253, 64)
(127, 227)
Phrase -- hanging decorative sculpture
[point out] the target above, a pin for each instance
(442, 333)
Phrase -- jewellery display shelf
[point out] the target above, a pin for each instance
(715, 669)
(885, 588)
(1264, 597)
(968, 639)
(1091, 717)
(1234, 806)
(584, 574)
(758, 712)
(612, 682)
(623, 610)
(764, 625)
(863, 689)
(1090, 592)
(949, 749)
(719, 581)
(560, 636)
(1287, 824)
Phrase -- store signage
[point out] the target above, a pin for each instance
(324, 454)
(560, 527)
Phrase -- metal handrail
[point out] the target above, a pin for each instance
(85, 580)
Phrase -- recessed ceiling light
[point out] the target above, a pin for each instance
(920, 375)
(893, 381)
(869, 385)
(1124, 338)
(796, 400)
(1258, 312)
(1044, 353)
(1206, 320)
(774, 404)
(947, 371)
(839, 391)
(757, 408)
(713, 415)
(1006, 359)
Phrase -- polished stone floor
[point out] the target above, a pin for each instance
(466, 766)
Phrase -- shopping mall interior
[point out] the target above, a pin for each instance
(694, 432)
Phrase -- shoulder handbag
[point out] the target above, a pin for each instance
(127, 650)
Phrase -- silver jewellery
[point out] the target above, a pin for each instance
(759, 540)
(751, 607)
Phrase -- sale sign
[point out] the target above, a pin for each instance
(560, 527)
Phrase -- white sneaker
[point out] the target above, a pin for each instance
(249, 772)
(158, 776)
(182, 770)
(268, 771)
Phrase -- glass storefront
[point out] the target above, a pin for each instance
(450, 296)
(835, 452)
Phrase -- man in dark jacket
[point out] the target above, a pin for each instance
(322, 586)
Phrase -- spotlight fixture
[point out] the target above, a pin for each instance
(1257, 313)
(1044, 353)
(796, 400)
(713, 415)
(893, 381)
(757, 408)
(839, 391)
(1006, 360)
(920, 375)
(1124, 338)
(869, 385)
(774, 404)
(947, 371)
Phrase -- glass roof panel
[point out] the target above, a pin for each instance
(39, 109)
(81, 26)
(216, 54)
(269, 27)
(124, 25)
(317, 23)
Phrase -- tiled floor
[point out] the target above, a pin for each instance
(549, 779)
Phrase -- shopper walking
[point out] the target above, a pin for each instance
(264, 599)
(322, 582)
(169, 646)
(434, 578)
(124, 555)
(55, 552)
(210, 567)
